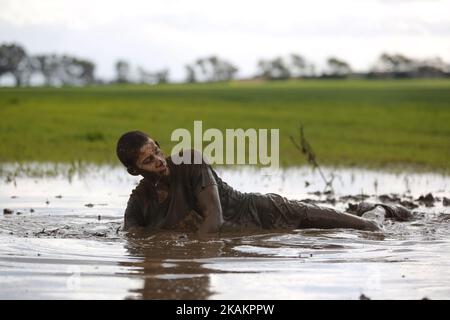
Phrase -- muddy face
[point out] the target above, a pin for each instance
(151, 159)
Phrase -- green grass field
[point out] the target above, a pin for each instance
(383, 124)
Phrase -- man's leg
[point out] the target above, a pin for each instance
(328, 218)
(275, 211)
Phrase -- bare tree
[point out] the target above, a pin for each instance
(63, 69)
(156, 77)
(338, 67)
(48, 66)
(210, 69)
(162, 76)
(190, 74)
(400, 66)
(122, 71)
(276, 69)
(76, 71)
(299, 65)
(14, 60)
(279, 68)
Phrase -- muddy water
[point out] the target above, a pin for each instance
(63, 241)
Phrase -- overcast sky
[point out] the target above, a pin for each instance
(170, 33)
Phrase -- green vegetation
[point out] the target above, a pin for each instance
(364, 123)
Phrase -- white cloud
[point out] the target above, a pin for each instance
(159, 34)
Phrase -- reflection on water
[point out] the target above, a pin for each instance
(63, 240)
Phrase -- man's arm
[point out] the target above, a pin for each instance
(133, 215)
(209, 203)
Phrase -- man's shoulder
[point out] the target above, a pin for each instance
(140, 190)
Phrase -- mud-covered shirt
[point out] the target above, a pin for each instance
(186, 181)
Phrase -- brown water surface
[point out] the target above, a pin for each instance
(63, 240)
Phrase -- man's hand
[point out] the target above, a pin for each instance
(136, 231)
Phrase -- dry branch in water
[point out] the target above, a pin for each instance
(305, 148)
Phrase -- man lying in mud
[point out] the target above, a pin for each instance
(173, 196)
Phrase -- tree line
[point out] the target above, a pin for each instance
(54, 69)
(59, 70)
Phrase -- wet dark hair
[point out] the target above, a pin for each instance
(128, 147)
